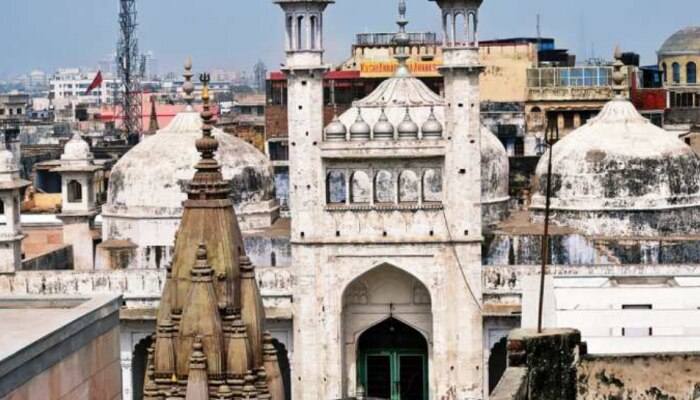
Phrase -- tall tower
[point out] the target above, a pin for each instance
(78, 205)
(461, 70)
(10, 233)
(305, 69)
(130, 66)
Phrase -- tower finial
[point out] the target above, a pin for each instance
(402, 40)
(188, 86)
(208, 183)
(618, 75)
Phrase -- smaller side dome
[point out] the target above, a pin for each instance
(360, 130)
(432, 128)
(408, 130)
(336, 130)
(7, 165)
(383, 129)
(77, 151)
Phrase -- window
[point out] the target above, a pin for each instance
(2, 111)
(636, 332)
(335, 187)
(2, 207)
(676, 73)
(75, 192)
(691, 76)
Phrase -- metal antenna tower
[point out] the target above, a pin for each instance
(130, 68)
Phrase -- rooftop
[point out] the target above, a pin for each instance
(50, 327)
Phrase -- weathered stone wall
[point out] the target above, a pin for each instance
(550, 360)
(59, 259)
(91, 372)
(639, 377)
(576, 249)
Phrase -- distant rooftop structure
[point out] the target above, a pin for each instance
(387, 38)
(684, 42)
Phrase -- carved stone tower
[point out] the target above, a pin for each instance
(10, 232)
(210, 341)
(78, 200)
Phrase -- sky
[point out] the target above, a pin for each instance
(234, 34)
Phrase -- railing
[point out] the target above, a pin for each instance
(386, 39)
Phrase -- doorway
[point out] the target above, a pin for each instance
(393, 362)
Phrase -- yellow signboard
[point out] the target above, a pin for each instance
(385, 69)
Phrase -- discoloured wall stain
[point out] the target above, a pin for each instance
(640, 377)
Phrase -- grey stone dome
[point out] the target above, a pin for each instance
(336, 130)
(684, 42)
(407, 129)
(360, 130)
(432, 128)
(383, 129)
(621, 175)
(495, 168)
(148, 181)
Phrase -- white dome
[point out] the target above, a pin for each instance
(77, 150)
(148, 181)
(621, 175)
(495, 168)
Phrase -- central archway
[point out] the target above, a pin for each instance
(387, 326)
(393, 362)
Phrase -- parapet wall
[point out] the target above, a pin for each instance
(639, 377)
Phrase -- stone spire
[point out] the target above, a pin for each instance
(153, 123)
(203, 344)
(402, 40)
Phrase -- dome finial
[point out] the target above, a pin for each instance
(188, 86)
(402, 40)
(618, 75)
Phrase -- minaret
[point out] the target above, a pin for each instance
(78, 205)
(462, 191)
(305, 69)
(10, 233)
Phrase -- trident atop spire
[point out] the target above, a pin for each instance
(402, 40)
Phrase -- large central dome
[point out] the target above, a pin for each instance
(148, 181)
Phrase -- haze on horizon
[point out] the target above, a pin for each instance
(234, 34)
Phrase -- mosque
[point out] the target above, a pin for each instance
(400, 271)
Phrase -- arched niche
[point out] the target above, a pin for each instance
(384, 187)
(336, 191)
(409, 187)
(432, 185)
(360, 188)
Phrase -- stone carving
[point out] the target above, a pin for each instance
(420, 294)
(356, 294)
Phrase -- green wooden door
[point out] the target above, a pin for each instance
(394, 374)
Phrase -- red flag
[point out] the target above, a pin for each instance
(95, 82)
